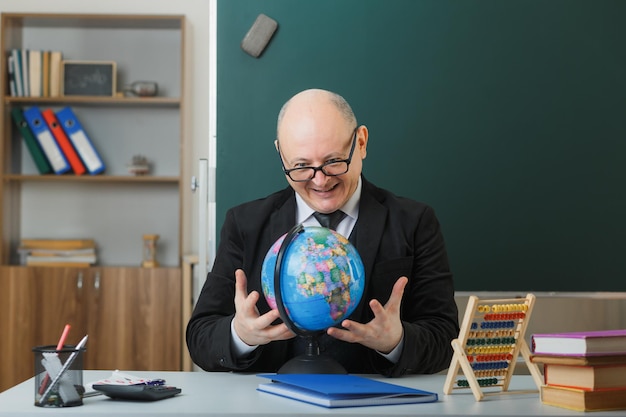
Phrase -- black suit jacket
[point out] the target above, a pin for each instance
(395, 236)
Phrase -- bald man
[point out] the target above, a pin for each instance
(407, 317)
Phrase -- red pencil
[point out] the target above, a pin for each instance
(46, 379)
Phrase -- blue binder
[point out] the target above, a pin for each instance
(46, 141)
(83, 145)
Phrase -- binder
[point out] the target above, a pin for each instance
(80, 140)
(50, 147)
(17, 63)
(43, 166)
(63, 142)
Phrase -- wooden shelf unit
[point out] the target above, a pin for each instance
(133, 315)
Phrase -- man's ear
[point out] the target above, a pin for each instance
(362, 136)
(276, 144)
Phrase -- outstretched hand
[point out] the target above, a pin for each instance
(251, 327)
(384, 331)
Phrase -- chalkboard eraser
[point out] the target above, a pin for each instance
(259, 35)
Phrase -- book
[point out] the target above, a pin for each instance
(55, 73)
(46, 141)
(45, 74)
(57, 244)
(25, 73)
(11, 72)
(584, 400)
(56, 252)
(587, 377)
(61, 264)
(80, 140)
(580, 360)
(341, 390)
(54, 259)
(63, 141)
(37, 254)
(17, 65)
(43, 166)
(34, 72)
(604, 342)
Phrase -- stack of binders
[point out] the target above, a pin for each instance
(57, 141)
(583, 371)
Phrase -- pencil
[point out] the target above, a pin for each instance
(46, 379)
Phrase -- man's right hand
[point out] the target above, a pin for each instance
(251, 327)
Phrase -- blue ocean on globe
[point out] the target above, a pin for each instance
(322, 278)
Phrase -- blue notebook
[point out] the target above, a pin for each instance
(336, 390)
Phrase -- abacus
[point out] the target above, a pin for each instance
(490, 340)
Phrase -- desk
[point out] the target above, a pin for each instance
(228, 394)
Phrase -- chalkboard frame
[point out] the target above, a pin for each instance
(71, 70)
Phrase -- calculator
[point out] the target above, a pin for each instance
(139, 392)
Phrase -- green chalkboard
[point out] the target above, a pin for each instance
(508, 117)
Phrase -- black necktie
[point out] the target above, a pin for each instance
(330, 220)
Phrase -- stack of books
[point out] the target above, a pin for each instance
(583, 371)
(57, 252)
(34, 73)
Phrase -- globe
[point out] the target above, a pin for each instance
(321, 279)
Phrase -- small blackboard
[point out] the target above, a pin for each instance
(89, 78)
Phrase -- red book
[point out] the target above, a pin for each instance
(64, 143)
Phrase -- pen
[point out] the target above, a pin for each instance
(60, 345)
(66, 365)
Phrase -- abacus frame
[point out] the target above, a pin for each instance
(517, 310)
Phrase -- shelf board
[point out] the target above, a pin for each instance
(92, 178)
(117, 101)
(87, 21)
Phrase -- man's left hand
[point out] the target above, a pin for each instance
(384, 331)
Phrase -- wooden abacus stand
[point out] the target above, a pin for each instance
(490, 340)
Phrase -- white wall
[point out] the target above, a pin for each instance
(199, 89)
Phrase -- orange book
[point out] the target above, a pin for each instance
(584, 400)
(64, 143)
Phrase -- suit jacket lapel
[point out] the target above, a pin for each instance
(284, 217)
(370, 227)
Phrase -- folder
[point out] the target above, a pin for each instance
(63, 142)
(17, 64)
(49, 146)
(80, 140)
(342, 390)
(31, 142)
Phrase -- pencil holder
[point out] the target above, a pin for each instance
(58, 376)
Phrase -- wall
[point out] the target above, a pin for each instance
(506, 116)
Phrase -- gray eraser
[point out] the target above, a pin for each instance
(259, 35)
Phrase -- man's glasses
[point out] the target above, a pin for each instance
(331, 168)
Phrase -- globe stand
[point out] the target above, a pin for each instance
(311, 362)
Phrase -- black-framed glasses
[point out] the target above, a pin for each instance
(331, 168)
